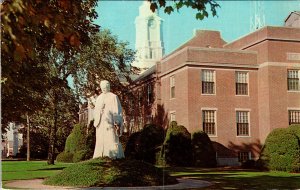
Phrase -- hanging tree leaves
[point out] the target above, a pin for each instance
(200, 6)
(29, 29)
(105, 58)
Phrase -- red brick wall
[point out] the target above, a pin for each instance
(179, 103)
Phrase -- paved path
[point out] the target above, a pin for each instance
(37, 184)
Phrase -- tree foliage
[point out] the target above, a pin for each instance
(29, 30)
(105, 58)
(199, 5)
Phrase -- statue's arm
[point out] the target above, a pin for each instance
(97, 112)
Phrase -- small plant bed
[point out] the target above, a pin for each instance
(113, 173)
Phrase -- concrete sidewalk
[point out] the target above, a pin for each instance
(38, 184)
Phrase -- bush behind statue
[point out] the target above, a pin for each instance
(177, 148)
(204, 154)
(79, 144)
(143, 145)
(281, 150)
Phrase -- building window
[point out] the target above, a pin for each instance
(208, 82)
(209, 121)
(149, 94)
(294, 117)
(140, 98)
(241, 83)
(293, 80)
(244, 156)
(172, 116)
(242, 123)
(172, 87)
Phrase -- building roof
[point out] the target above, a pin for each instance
(145, 74)
(265, 33)
(202, 38)
(294, 12)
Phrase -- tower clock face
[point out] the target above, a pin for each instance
(151, 23)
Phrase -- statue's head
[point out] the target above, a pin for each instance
(105, 87)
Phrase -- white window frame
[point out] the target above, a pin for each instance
(298, 80)
(172, 84)
(215, 116)
(174, 114)
(249, 122)
(214, 81)
(292, 109)
(248, 76)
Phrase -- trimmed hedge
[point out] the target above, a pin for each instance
(79, 144)
(65, 157)
(204, 154)
(177, 148)
(295, 129)
(143, 145)
(282, 150)
(76, 140)
(112, 173)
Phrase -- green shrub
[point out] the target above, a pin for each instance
(65, 157)
(143, 145)
(76, 140)
(80, 143)
(107, 172)
(204, 154)
(295, 129)
(177, 148)
(281, 150)
(80, 155)
(132, 145)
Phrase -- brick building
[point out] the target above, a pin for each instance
(236, 92)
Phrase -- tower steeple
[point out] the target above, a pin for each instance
(149, 44)
(257, 19)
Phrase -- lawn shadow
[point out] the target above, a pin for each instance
(45, 169)
(240, 179)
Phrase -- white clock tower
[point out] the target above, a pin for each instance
(149, 44)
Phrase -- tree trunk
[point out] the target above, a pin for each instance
(28, 138)
(52, 138)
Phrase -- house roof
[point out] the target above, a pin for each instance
(145, 74)
(294, 12)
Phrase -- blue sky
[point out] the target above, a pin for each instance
(233, 20)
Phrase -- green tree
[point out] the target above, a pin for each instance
(29, 30)
(199, 5)
(105, 58)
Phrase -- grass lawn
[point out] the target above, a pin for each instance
(222, 178)
(14, 170)
(240, 179)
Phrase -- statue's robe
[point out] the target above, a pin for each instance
(107, 113)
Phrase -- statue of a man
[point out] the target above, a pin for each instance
(109, 124)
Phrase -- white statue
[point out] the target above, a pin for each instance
(109, 124)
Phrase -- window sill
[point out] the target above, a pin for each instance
(212, 136)
(172, 98)
(243, 136)
(242, 95)
(294, 91)
(208, 94)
